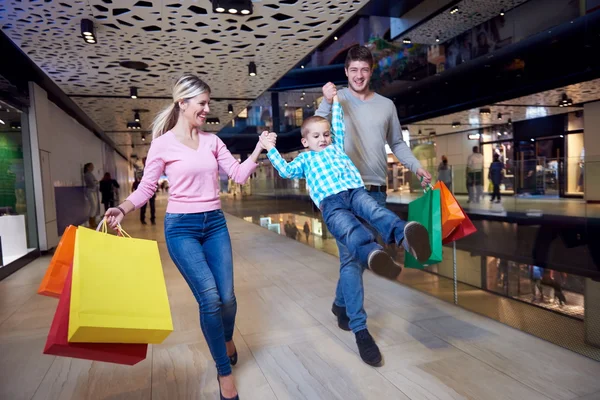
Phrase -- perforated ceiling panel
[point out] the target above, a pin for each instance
(470, 13)
(172, 37)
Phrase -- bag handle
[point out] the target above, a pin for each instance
(429, 186)
(104, 226)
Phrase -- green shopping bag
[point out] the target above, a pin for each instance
(427, 210)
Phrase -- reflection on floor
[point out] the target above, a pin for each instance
(288, 342)
(535, 320)
(532, 205)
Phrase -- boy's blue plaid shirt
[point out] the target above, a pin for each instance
(327, 172)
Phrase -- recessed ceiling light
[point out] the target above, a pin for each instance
(245, 12)
(252, 68)
(454, 10)
(335, 38)
(233, 10)
(219, 9)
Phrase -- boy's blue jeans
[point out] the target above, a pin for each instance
(369, 206)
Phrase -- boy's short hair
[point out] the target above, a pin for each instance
(312, 120)
(359, 53)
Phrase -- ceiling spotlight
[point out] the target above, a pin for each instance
(453, 10)
(143, 137)
(252, 68)
(455, 124)
(232, 6)
(302, 98)
(285, 104)
(136, 116)
(302, 66)
(502, 13)
(499, 115)
(87, 31)
(437, 39)
(419, 132)
(230, 108)
(133, 92)
(406, 41)
(2, 122)
(485, 111)
(335, 38)
(303, 93)
(565, 101)
(510, 121)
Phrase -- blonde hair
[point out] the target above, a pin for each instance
(312, 120)
(187, 87)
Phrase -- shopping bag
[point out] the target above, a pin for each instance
(61, 262)
(452, 214)
(57, 344)
(427, 210)
(465, 229)
(490, 187)
(119, 293)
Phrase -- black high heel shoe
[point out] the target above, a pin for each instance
(237, 396)
(233, 359)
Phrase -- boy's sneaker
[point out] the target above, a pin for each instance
(384, 265)
(416, 241)
(367, 348)
(342, 317)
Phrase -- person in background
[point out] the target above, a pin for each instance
(495, 176)
(475, 176)
(306, 231)
(445, 173)
(152, 202)
(537, 273)
(107, 189)
(91, 194)
(195, 227)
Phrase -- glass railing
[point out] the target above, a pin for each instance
(490, 272)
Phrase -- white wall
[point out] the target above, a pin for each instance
(60, 148)
(591, 140)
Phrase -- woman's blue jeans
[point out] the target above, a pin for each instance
(200, 246)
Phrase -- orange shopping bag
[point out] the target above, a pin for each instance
(56, 274)
(452, 214)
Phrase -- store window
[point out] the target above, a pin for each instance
(546, 288)
(500, 142)
(575, 164)
(18, 230)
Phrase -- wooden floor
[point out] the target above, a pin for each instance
(289, 344)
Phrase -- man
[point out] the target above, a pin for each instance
(475, 176)
(371, 120)
(152, 202)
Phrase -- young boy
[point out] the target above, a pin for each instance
(337, 188)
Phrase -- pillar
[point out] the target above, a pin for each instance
(591, 141)
(592, 312)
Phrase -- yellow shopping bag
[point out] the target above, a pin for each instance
(118, 290)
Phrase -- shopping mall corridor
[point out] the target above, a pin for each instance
(288, 341)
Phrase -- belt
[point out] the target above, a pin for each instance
(375, 188)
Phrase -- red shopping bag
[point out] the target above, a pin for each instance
(54, 279)
(465, 229)
(57, 344)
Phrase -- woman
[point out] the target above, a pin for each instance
(91, 193)
(445, 173)
(195, 229)
(107, 189)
